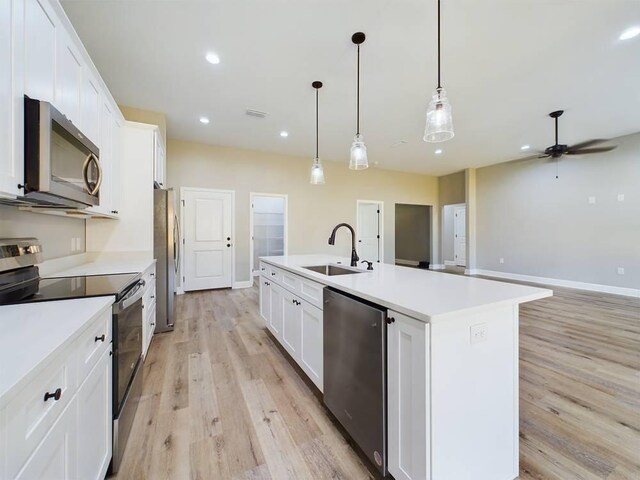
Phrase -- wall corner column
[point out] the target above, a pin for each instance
(470, 195)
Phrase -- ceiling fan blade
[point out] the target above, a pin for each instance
(585, 151)
(586, 144)
(532, 157)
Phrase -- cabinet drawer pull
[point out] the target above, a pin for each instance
(390, 320)
(152, 324)
(101, 338)
(273, 274)
(153, 296)
(55, 395)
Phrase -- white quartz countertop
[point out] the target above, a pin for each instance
(101, 264)
(424, 294)
(30, 333)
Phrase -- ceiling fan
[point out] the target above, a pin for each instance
(557, 150)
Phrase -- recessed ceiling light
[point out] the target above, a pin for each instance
(630, 33)
(438, 151)
(204, 120)
(212, 58)
(284, 134)
(525, 147)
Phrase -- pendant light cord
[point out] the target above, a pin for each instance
(316, 123)
(358, 96)
(439, 85)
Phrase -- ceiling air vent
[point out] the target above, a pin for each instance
(256, 113)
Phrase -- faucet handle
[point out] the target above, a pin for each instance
(369, 264)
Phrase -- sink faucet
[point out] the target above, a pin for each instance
(332, 241)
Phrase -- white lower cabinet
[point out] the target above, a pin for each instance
(311, 346)
(265, 300)
(293, 320)
(94, 421)
(55, 457)
(276, 293)
(291, 324)
(58, 425)
(408, 397)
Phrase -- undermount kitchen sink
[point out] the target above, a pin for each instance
(331, 270)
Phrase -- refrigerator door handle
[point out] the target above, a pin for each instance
(176, 244)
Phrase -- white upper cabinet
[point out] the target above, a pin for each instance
(41, 57)
(160, 161)
(39, 50)
(11, 103)
(68, 79)
(90, 103)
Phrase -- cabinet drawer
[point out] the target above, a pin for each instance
(31, 416)
(149, 296)
(311, 292)
(291, 281)
(275, 274)
(149, 275)
(93, 342)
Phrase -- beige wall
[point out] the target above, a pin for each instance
(451, 188)
(546, 227)
(313, 210)
(54, 232)
(413, 232)
(145, 116)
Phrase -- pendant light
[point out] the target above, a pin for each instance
(317, 172)
(358, 159)
(439, 127)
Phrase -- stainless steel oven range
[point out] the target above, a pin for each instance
(20, 282)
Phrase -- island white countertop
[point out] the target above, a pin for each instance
(424, 294)
(91, 263)
(31, 332)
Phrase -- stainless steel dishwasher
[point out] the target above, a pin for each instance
(355, 366)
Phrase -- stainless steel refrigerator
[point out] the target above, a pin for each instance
(166, 251)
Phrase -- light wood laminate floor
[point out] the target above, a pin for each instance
(220, 401)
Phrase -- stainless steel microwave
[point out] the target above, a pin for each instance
(61, 165)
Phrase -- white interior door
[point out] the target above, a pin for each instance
(208, 242)
(369, 241)
(460, 236)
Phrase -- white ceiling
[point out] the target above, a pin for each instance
(506, 64)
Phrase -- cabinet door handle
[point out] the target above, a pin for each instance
(391, 320)
(101, 338)
(273, 274)
(55, 395)
(152, 324)
(153, 296)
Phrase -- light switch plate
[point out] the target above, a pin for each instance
(501, 260)
(620, 270)
(621, 197)
(592, 200)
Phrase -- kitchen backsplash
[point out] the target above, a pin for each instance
(59, 236)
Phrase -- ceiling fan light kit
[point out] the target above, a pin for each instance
(358, 158)
(317, 171)
(439, 124)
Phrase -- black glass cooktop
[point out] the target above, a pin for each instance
(63, 288)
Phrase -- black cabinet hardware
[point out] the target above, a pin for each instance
(101, 338)
(273, 274)
(55, 395)
(391, 320)
(152, 274)
(263, 269)
(228, 238)
(153, 296)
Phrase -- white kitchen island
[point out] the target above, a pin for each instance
(452, 359)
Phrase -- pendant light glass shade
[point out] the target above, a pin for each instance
(439, 127)
(317, 172)
(358, 159)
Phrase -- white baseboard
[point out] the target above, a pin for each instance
(593, 287)
(245, 284)
(450, 263)
(437, 266)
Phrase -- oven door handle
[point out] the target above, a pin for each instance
(135, 294)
